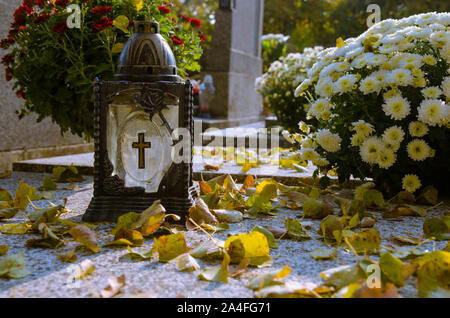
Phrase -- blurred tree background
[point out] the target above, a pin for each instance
(321, 22)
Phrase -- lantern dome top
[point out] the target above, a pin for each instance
(147, 57)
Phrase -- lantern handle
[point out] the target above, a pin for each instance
(146, 27)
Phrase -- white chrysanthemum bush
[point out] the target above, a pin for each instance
(381, 101)
(277, 86)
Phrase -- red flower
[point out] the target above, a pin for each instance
(8, 74)
(177, 40)
(196, 23)
(196, 90)
(60, 27)
(43, 17)
(102, 24)
(202, 37)
(101, 10)
(6, 59)
(173, 19)
(22, 28)
(61, 3)
(20, 15)
(185, 18)
(164, 9)
(20, 93)
(5, 43)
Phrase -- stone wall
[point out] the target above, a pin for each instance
(26, 139)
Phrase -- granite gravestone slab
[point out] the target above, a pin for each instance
(234, 61)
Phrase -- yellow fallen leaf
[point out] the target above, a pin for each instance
(83, 235)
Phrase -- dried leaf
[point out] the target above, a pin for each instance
(205, 188)
(170, 246)
(186, 263)
(343, 275)
(22, 228)
(67, 174)
(295, 230)
(228, 216)
(132, 236)
(329, 226)
(139, 256)
(248, 182)
(115, 284)
(366, 241)
(126, 221)
(323, 253)
(269, 235)
(85, 269)
(436, 228)
(217, 273)
(293, 290)
(69, 257)
(365, 292)
(209, 251)
(48, 185)
(119, 243)
(151, 219)
(265, 280)
(83, 235)
(429, 195)
(5, 196)
(433, 275)
(267, 189)
(200, 213)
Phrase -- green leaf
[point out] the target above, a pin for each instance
(366, 241)
(429, 195)
(437, 228)
(8, 213)
(13, 266)
(5, 196)
(392, 267)
(433, 274)
(4, 249)
(126, 221)
(19, 229)
(139, 256)
(295, 230)
(48, 185)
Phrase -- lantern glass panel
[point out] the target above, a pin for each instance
(140, 144)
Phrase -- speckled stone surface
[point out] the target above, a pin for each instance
(50, 276)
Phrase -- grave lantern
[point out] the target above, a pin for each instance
(137, 153)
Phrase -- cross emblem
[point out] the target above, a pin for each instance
(141, 145)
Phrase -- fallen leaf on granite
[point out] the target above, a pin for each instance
(343, 275)
(86, 237)
(217, 273)
(323, 253)
(268, 234)
(295, 230)
(404, 197)
(253, 246)
(406, 239)
(228, 216)
(169, 247)
(119, 243)
(5, 196)
(367, 222)
(48, 240)
(8, 213)
(46, 215)
(294, 290)
(132, 236)
(21, 228)
(69, 257)
(4, 249)
(13, 266)
(186, 263)
(150, 220)
(115, 284)
(329, 226)
(259, 282)
(205, 188)
(433, 275)
(84, 269)
(392, 269)
(48, 185)
(366, 241)
(315, 209)
(209, 251)
(429, 195)
(200, 213)
(437, 228)
(67, 174)
(139, 256)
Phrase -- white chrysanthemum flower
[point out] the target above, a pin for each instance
(432, 92)
(397, 107)
(369, 85)
(319, 106)
(288, 136)
(325, 87)
(377, 59)
(391, 146)
(370, 149)
(308, 143)
(363, 128)
(411, 183)
(445, 52)
(303, 127)
(345, 83)
(429, 59)
(446, 86)
(302, 87)
(432, 111)
(386, 158)
(418, 150)
(309, 154)
(400, 77)
(418, 129)
(357, 140)
(394, 135)
(328, 141)
(410, 61)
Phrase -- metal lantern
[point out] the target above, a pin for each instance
(135, 117)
